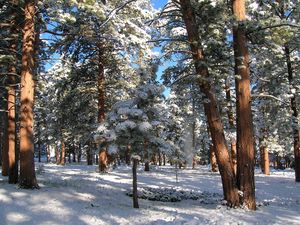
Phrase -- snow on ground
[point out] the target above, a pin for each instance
(78, 195)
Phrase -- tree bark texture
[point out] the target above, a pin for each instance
(39, 141)
(27, 170)
(213, 159)
(4, 144)
(245, 139)
(103, 160)
(264, 153)
(147, 166)
(296, 132)
(134, 184)
(62, 153)
(234, 155)
(265, 160)
(229, 105)
(127, 154)
(89, 155)
(230, 116)
(210, 106)
(11, 102)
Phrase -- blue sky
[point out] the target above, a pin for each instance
(158, 3)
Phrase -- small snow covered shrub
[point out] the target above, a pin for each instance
(176, 195)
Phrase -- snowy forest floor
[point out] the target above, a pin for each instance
(78, 195)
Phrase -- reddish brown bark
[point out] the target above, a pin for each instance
(103, 160)
(210, 106)
(230, 116)
(103, 154)
(265, 160)
(27, 170)
(11, 102)
(62, 154)
(57, 155)
(213, 159)
(245, 139)
(264, 154)
(234, 155)
(296, 133)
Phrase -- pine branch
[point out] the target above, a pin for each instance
(115, 11)
(269, 96)
(167, 40)
(273, 26)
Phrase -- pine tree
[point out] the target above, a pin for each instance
(11, 100)
(245, 138)
(27, 170)
(211, 106)
(275, 31)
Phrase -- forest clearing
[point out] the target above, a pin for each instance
(79, 195)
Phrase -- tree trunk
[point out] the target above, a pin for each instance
(296, 132)
(194, 134)
(230, 116)
(57, 155)
(27, 170)
(154, 159)
(103, 153)
(134, 184)
(97, 159)
(164, 159)
(103, 160)
(4, 144)
(69, 157)
(234, 155)
(39, 142)
(48, 153)
(265, 159)
(229, 105)
(127, 154)
(62, 153)
(213, 159)
(101, 85)
(89, 155)
(147, 167)
(210, 106)
(245, 139)
(74, 155)
(79, 154)
(264, 154)
(159, 158)
(261, 153)
(11, 102)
